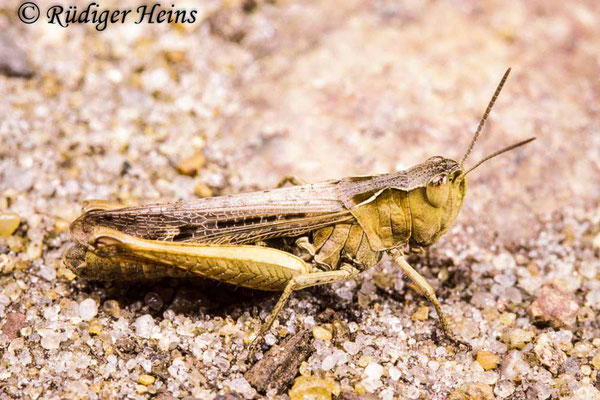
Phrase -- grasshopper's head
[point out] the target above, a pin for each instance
(435, 206)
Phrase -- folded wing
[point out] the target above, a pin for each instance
(234, 219)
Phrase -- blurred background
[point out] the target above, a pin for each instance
(255, 90)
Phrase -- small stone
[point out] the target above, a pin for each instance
(351, 348)
(175, 56)
(588, 392)
(154, 301)
(48, 273)
(14, 323)
(596, 242)
(596, 361)
(421, 314)
(13, 61)
(322, 333)
(201, 189)
(504, 389)
(88, 309)
(514, 366)
(270, 339)
(191, 165)
(305, 369)
(50, 340)
(518, 338)
(34, 250)
(581, 349)
(555, 307)
(228, 396)
(141, 389)
(508, 318)
(359, 388)
(549, 353)
(473, 391)
(146, 379)
(586, 314)
(7, 265)
(487, 359)
(341, 332)
(309, 387)
(356, 396)
(373, 371)
(363, 361)
(144, 326)
(395, 373)
(384, 281)
(329, 362)
(112, 308)
(592, 299)
(61, 225)
(228, 330)
(95, 326)
(586, 370)
(9, 222)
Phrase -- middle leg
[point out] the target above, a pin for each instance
(428, 292)
(301, 282)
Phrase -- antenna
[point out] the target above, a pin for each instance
(485, 115)
(497, 153)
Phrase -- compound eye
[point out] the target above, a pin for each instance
(438, 190)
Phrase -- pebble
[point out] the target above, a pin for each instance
(596, 361)
(473, 391)
(586, 314)
(9, 222)
(329, 362)
(144, 326)
(508, 318)
(146, 380)
(592, 299)
(201, 189)
(549, 353)
(13, 61)
(555, 307)
(351, 347)
(241, 386)
(322, 333)
(154, 301)
(14, 323)
(518, 338)
(88, 309)
(313, 388)
(504, 389)
(596, 242)
(48, 273)
(487, 359)
(112, 308)
(582, 349)
(373, 371)
(394, 373)
(514, 366)
(363, 361)
(50, 340)
(190, 166)
(421, 314)
(95, 326)
(7, 264)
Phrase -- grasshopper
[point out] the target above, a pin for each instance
(284, 239)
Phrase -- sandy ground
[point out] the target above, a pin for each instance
(321, 90)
